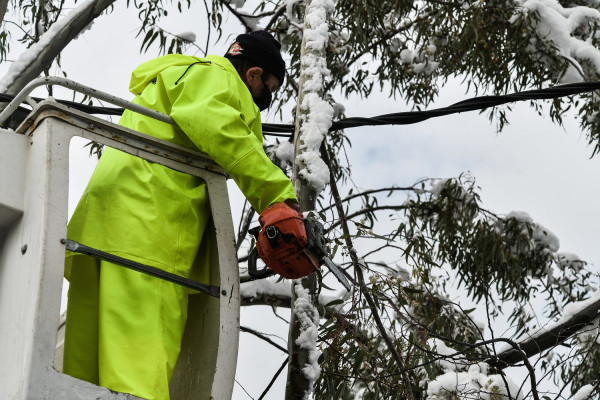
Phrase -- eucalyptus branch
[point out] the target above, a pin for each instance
(3, 6)
(373, 191)
(209, 29)
(343, 356)
(264, 393)
(264, 299)
(21, 28)
(348, 217)
(580, 366)
(386, 37)
(276, 15)
(244, 227)
(177, 36)
(361, 280)
(575, 65)
(262, 336)
(483, 343)
(241, 17)
(550, 337)
(516, 347)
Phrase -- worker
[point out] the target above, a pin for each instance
(124, 328)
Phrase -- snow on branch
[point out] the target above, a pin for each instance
(559, 25)
(40, 55)
(317, 114)
(276, 293)
(462, 379)
(575, 318)
(308, 317)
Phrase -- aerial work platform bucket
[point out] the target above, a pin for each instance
(34, 163)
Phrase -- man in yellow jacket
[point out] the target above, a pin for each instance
(124, 328)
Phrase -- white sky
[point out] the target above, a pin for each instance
(532, 166)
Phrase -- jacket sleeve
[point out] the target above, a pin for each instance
(207, 108)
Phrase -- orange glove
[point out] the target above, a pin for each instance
(282, 241)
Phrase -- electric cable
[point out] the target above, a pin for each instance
(473, 104)
(400, 118)
(73, 104)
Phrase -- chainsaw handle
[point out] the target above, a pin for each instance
(253, 271)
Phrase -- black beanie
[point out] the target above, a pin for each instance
(262, 49)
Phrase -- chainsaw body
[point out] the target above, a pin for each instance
(283, 243)
(290, 245)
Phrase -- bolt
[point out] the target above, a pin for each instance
(24, 249)
(224, 292)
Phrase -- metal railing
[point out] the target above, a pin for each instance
(23, 96)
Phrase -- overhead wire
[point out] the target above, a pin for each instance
(400, 118)
(473, 104)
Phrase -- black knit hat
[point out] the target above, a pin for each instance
(262, 49)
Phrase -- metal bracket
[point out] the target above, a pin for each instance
(146, 269)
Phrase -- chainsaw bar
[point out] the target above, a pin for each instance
(318, 245)
(337, 273)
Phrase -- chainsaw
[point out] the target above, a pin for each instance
(290, 245)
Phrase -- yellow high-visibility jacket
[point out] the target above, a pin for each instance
(156, 216)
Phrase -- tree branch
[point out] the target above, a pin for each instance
(3, 5)
(276, 15)
(241, 17)
(264, 393)
(263, 299)
(263, 337)
(547, 338)
(244, 227)
(361, 280)
(43, 54)
(361, 212)
(373, 191)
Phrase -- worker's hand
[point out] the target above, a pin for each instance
(282, 241)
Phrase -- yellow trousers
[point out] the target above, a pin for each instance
(123, 329)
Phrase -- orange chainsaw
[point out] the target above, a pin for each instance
(290, 245)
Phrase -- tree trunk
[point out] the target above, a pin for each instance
(3, 4)
(41, 55)
(298, 385)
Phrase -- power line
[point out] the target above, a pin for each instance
(473, 104)
(401, 118)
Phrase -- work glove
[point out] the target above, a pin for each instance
(282, 241)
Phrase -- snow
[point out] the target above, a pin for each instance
(32, 54)
(270, 287)
(237, 3)
(308, 317)
(541, 235)
(278, 288)
(584, 393)
(564, 260)
(574, 308)
(568, 312)
(318, 113)
(187, 36)
(406, 56)
(461, 380)
(338, 110)
(284, 152)
(559, 24)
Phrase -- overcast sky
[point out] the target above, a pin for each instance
(532, 166)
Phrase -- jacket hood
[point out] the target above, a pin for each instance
(148, 71)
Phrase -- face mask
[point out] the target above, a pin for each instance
(264, 100)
